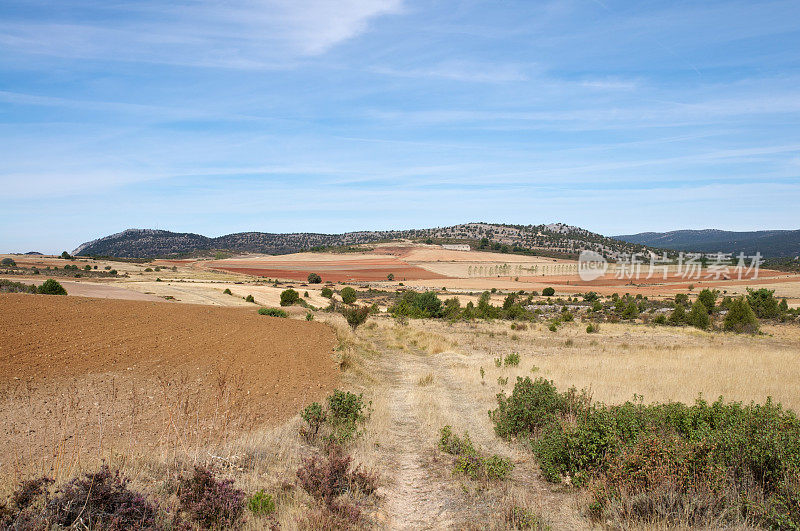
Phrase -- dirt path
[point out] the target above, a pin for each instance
(422, 492)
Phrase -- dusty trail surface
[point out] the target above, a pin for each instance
(421, 491)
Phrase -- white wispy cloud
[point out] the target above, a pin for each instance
(236, 34)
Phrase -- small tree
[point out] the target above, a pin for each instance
(326, 292)
(708, 298)
(763, 303)
(390, 276)
(66, 256)
(678, 315)
(289, 297)
(314, 278)
(548, 292)
(249, 298)
(356, 315)
(631, 311)
(740, 317)
(8, 262)
(349, 295)
(698, 316)
(51, 287)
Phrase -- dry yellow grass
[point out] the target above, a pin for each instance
(658, 363)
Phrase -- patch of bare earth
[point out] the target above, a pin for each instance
(82, 379)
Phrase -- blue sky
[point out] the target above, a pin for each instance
(327, 116)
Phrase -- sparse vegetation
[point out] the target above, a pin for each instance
(51, 287)
(349, 295)
(272, 312)
(289, 297)
(685, 464)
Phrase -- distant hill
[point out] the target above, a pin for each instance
(557, 239)
(770, 243)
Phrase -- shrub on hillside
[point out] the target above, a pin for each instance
(249, 298)
(101, 500)
(209, 502)
(227, 291)
(349, 295)
(548, 292)
(272, 312)
(469, 461)
(703, 465)
(709, 298)
(418, 305)
(51, 287)
(314, 278)
(326, 292)
(678, 315)
(8, 286)
(289, 297)
(8, 262)
(698, 316)
(356, 315)
(763, 303)
(740, 317)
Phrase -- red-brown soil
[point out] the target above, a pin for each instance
(342, 275)
(82, 377)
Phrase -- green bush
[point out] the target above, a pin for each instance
(8, 262)
(314, 278)
(660, 319)
(51, 287)
(227, 292)
(593, 328)
(326, 292)
(740, 317)
(469, 461)
(763, 303)
(249, 298)
(356, 315)
(678, 315)
(261, 503)
(708, 298)
(390, 277)
(272, 312)
(511, 359)
(704, 464)
(631, 311)
(548, 292)
(349, 295)
(289, 297)
(418, 305)
(698, 316)
(8, 286)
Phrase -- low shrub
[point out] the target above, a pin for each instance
(101, 500)
(469, 461)
(8, 286)
(227, 291)
(548, 292)
(511, 359)
(326, 292)
(349, 295)
(289, 297)
(704, 464)
(356, 316)
(698, 316)
(209, 502)
(249, 298)
(327, 478)
(272, 312)
(740, 317)
(261, 504)
(314, 278)
(51, 287)
(522, 518)
(8, 262)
